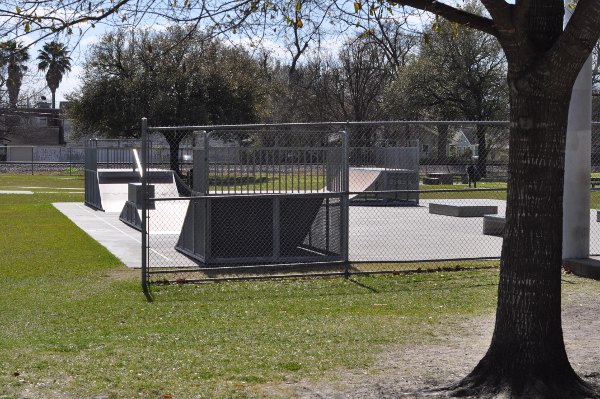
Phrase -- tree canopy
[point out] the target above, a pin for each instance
(55, 61)
(13, 58)
(133, 74)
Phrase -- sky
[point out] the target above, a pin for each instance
(80, 46)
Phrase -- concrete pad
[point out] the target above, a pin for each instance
(462, 210)
(589, 268)
(123, 241)
(411, 233)
(376, 234)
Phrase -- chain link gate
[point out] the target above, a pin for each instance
(259, 201)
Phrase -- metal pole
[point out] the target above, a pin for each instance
(345, 202)
(144, 171)
(206, 170)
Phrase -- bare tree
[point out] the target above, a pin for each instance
(458, 74)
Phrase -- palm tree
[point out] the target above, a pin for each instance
(54, 57)
(14, 57)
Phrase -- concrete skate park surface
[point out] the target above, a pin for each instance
(376, 234)
(413, 234)
(123, 241)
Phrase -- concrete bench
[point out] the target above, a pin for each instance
(493, 225)
(462, 211)
(444, 178)
(431, 180)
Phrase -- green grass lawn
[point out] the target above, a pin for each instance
(500, 195)
(75, 323)
(267, 182)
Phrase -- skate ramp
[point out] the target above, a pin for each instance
(113, 186)
(165, 218)
(362, 179)
(261, 229)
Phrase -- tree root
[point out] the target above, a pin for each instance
(531, 385)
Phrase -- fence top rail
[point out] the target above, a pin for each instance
(320, 124)
(313, 194)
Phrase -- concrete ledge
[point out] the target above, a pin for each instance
(589, 268)
(493, 225)
(431, 180)
(444, 178)
(462, 211)
(134, 194)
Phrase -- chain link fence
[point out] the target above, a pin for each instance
(260, 201)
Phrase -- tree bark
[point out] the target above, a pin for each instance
(442, 143)
(527, 357)
(482, 151)
(13, 84)
(174, 139)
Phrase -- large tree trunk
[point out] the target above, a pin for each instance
(527, 357)
(442, 144)
(174, 139)
(13, 84)
(483, 151)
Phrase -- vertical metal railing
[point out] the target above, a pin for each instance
(144, 171)
(345, 201)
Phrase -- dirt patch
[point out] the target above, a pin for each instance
(122, 274)
(402, 371)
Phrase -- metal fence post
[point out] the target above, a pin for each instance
(144, 173)
(206, 164)
(345, 201)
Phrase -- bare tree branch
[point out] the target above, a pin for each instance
(452, 14)
(501, 12)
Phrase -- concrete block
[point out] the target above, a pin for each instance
(493, 225)
(445, 178)
(586, 267)
(134, 194)
(462, 211)
(431, 180)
